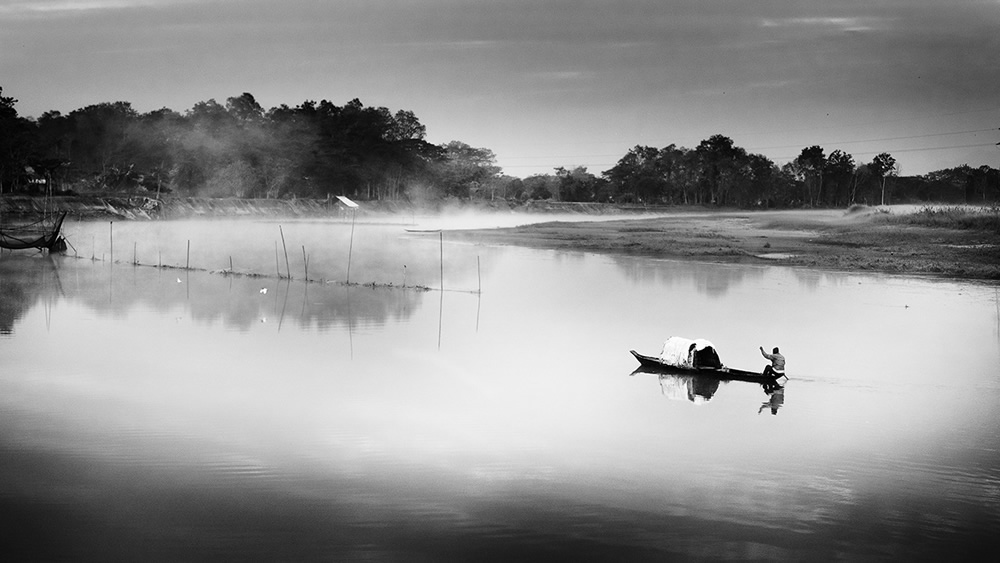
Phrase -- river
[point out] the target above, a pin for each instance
(156, 412)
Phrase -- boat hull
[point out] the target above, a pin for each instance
(50, 240)
(652, 364)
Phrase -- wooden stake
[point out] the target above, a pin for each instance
(112, 231)
(230, 264)
(277, 268)
(135, 261)
(350, 249)
(479, 275)
(305, 262)
(441, 239)
(288, 269)
(187, 265)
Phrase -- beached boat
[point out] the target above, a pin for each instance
(653, 364)
(35, 235)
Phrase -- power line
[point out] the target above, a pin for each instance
(891, 151)
(876, 140)
(880, 122)
(924, 135)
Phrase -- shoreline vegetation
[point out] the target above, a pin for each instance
(940, 240)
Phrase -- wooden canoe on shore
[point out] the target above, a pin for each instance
(652, 364)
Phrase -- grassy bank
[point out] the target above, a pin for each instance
(954, 217)
(897, 240)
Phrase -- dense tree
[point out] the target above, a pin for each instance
(16, 142)
(541, 186)
(464, 170)
(318, 149)
(764, 182)
(578, 184)
(244, 108)
(840, 174)
(721, 163)
(637, 176)
(811, 165)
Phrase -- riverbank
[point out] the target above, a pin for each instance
(863, 239)
(883, 239)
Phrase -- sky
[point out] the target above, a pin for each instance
(548, 83)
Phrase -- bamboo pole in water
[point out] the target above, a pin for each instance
(479, 276)
(111, 230)
(187, 265)
(135, 260)
(441, 242)
(230, 264)
(350, 249)
(277, 268)
(288, 269)
(305, 262)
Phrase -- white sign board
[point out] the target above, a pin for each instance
(347, 202)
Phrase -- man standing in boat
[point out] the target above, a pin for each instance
(777, 367)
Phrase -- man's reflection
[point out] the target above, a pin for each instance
(776, 397)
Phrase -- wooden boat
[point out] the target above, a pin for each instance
(652, 364)
(34, 235)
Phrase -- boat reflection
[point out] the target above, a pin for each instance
(681, 385)
(698, 390)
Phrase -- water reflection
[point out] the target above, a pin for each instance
(776, 398)
(700, 389)
(240, 303)
(355, 431)
(25, 281)
(714, 280)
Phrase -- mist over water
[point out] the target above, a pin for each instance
(189, 414)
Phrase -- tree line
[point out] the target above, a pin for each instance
(316, 150)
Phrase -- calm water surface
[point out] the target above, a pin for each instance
(159, 413)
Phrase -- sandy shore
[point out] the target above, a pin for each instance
(825, 239)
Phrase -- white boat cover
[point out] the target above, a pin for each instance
(679, 351)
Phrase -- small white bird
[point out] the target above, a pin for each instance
(178, 280)
(263, 291)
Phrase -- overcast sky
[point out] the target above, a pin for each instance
(547, 83)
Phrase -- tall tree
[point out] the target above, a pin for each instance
(464, 170)
(883, 166)
(637, 175)
(812, 163)
(840, 173)
(721, 161)
(577, 184)
(244, 108)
